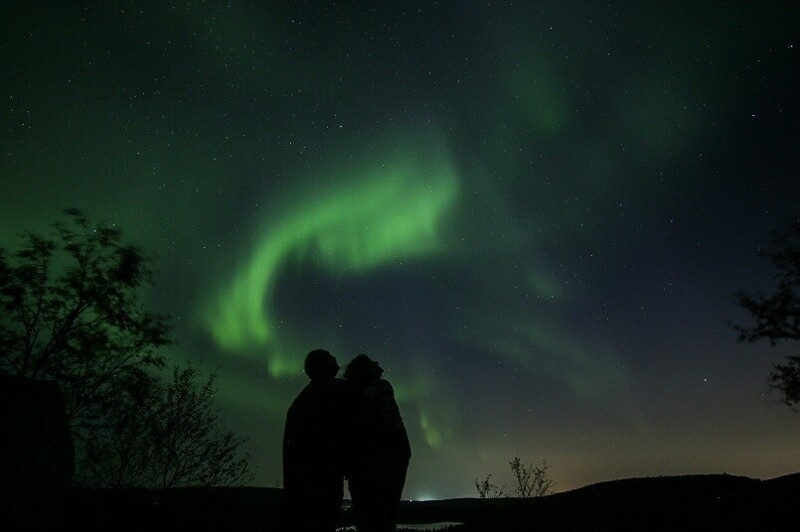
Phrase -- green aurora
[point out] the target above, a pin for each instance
(391, 210)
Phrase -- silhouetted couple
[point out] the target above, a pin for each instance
(343, 428)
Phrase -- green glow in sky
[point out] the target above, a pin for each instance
(419, 390)
(544, 285)
(373, 215)
(433, 436)
(589, 373)
(537, 91)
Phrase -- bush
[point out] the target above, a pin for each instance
(530, 481)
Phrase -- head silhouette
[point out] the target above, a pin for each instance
(363, 370)
(320, 364)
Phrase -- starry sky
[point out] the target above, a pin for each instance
(534, 215)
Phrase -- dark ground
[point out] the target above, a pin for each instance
(699, 502)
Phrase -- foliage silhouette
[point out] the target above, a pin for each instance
(488, 489)
(194, 448)
(119, 450)
(777, 316)
(530, 480)
(71, 313)
(167, 435)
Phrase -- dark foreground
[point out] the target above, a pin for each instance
(703, 502)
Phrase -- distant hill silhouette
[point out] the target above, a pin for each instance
(696, 502)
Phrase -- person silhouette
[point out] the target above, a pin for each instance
(313, 448)
(380, 449)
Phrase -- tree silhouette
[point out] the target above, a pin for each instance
(194, 448)
(70, 312)
(166, 435)
(121, 447)
(777, 316)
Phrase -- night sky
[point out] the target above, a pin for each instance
(535, 216)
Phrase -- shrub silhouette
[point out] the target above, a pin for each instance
(530, 481)
(488, 489)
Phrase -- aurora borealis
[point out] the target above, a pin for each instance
(382, 214)
(535, 216)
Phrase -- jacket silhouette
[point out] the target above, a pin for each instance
(314, 448)
(380, 447)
